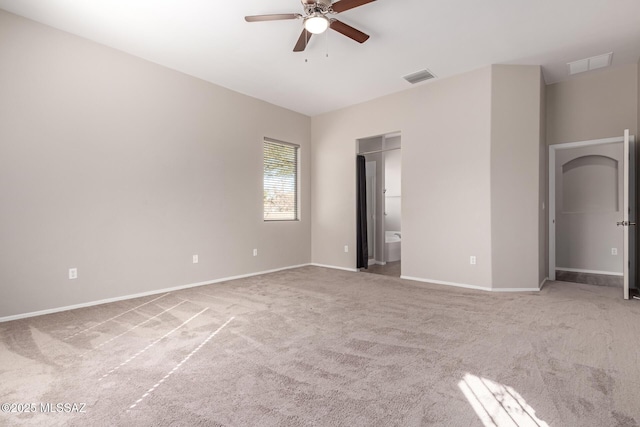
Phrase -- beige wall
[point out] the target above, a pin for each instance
(593, 106)
(125, 169)
(446, 212)
(471, 178)
(515, 176)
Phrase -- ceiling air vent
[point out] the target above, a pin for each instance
(589, 64)
(419, 76)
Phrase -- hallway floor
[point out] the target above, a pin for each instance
(589, 278)
(390, 269)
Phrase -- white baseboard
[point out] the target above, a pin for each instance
(579, 270)
(466, 286)
(440, 282)
(353, 270)
(515, 289)
(142, 294)
(375, 262)
(543, 282)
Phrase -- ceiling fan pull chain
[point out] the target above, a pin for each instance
(327, 42)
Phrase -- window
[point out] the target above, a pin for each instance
(280, 181)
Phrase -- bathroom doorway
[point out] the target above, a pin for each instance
(383, 162)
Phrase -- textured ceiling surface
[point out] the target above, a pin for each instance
(210, 39)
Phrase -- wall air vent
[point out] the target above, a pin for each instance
(419, 76)
(589, 64)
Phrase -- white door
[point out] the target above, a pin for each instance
(625, 212)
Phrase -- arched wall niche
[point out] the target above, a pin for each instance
(590, 185)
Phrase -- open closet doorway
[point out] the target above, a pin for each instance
(380, 210)
(592, 212)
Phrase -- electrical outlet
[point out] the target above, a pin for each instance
(195, 259)
(614, 251)
(346, 248)
(255, 252)
(472, 260)
(73, 273)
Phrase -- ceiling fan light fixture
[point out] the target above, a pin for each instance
(316, 23)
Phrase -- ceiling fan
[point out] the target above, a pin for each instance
(316, 20)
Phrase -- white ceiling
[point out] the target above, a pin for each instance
(209, 39)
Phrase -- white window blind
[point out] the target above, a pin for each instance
(280, 181)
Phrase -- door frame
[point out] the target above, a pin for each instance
(375, 217)
(380, 222)
(552, 188)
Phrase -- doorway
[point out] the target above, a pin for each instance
(591, 198)
(383, 162)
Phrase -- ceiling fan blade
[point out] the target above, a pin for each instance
(343, 5)
(302, 41)
(349, 31)
(273, 17)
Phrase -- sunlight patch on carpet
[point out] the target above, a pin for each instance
(152, 389)
(152, 344)
(498, 405)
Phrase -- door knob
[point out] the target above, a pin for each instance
(625, 223)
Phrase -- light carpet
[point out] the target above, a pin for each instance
(313, 346)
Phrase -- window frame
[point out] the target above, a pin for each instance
(297, 148)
